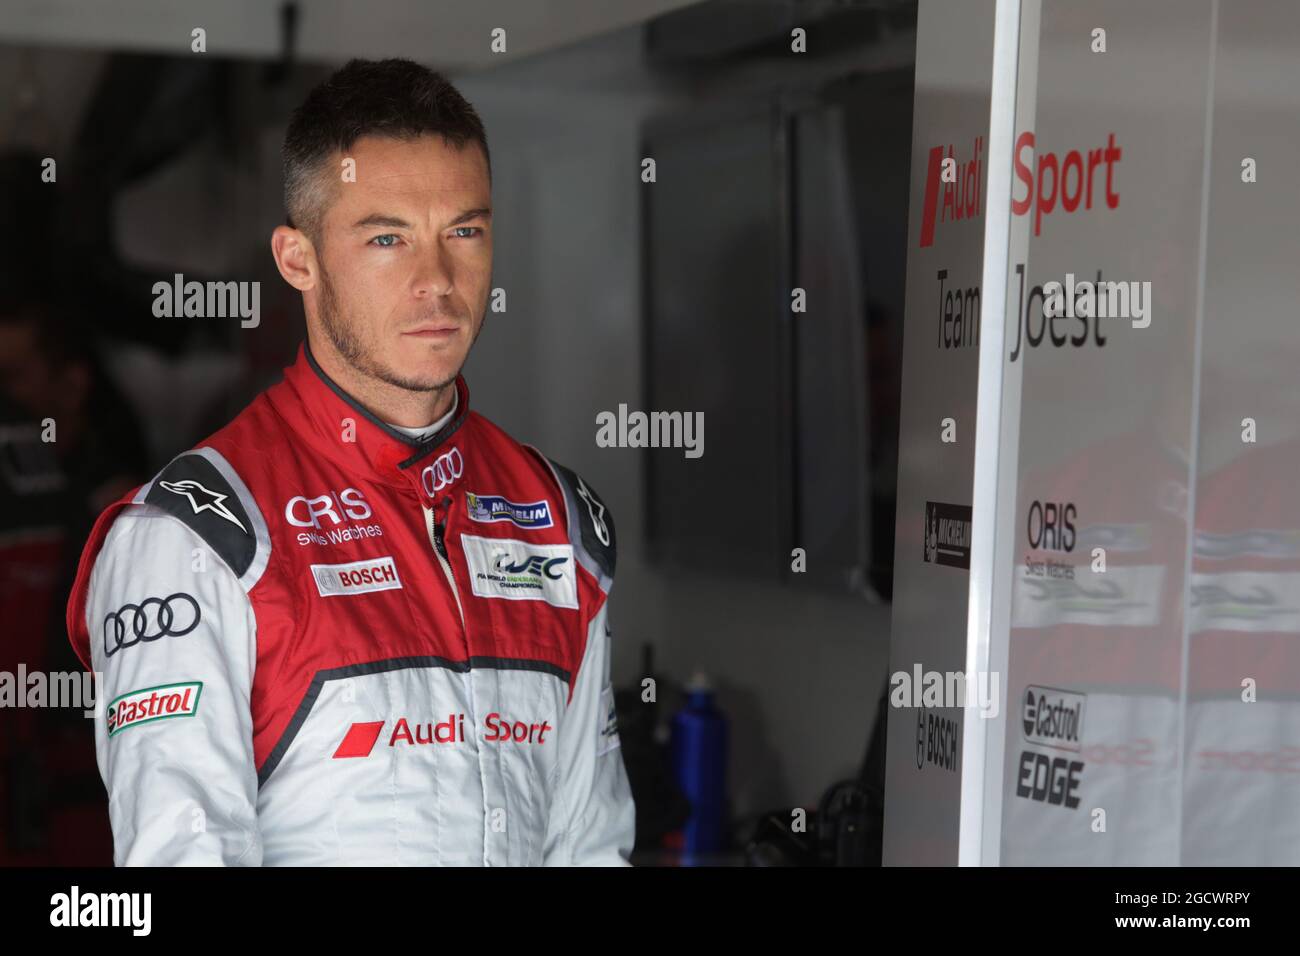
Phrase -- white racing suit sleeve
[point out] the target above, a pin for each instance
(173, 635)
(593, 816)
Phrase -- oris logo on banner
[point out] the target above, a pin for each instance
(303, 512)
(444, 471)
(1051, 525)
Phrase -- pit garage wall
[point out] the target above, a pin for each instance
(1135, 564)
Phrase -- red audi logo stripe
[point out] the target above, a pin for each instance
(360, 739)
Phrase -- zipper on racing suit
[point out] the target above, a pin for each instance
(437, 536)
(437, 533)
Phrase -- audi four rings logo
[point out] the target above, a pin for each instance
(153, 618)
(445, 469)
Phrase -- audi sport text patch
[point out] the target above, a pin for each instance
(356, 577)
(519, 571)
(489, 508)
(153, 703)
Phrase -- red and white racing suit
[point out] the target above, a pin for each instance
(324, 642)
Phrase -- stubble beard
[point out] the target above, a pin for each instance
(360, 354)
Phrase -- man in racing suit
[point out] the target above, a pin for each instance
(361, 624)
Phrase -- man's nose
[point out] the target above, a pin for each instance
(435, 272)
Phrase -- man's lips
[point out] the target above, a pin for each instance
(433, 331)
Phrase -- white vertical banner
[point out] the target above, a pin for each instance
(1108, 172)
(942, 344)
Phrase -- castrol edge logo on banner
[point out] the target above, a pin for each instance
(1073, 179)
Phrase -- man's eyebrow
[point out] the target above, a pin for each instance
(377, 219)
(484, 213)
(396, 222)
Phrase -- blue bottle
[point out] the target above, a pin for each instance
(699, 758)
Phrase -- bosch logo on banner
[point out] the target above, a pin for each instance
(936, 741)
(444, 471)
(961, 188)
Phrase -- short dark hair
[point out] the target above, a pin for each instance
(394, 98)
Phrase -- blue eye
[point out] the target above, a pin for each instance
(471, 231)
(379, 240)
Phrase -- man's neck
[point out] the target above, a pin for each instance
(389, 403)
(427, 432)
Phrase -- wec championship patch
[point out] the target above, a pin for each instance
(520, 571)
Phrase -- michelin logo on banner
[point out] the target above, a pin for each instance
(947, 534)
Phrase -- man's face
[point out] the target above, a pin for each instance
(405, 256)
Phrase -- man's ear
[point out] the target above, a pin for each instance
(295, 257)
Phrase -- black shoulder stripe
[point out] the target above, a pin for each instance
(591, 526)
(193, 489)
